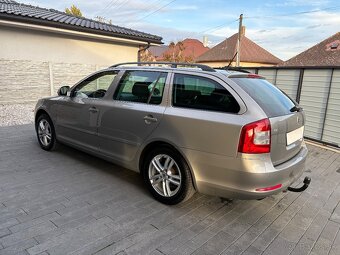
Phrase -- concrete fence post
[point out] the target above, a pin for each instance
(51, 78)
(327, 103)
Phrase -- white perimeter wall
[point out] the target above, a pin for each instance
(34, 64)
(26, 44)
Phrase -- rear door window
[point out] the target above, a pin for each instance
(198, 92)
(141, 87)
(272, 100)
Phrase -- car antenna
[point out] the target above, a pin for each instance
(231, 61)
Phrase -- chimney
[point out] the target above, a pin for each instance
(243, 30)
(205, 41)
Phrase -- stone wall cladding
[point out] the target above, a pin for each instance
(24, 81)
(69, 74)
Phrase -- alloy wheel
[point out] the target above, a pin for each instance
(164, 175)
(44, 132)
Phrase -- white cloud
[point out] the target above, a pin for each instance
(283, 36)
(288, 41)
(295, 3)
(184, 7)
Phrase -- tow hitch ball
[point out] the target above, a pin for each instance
(305, 185)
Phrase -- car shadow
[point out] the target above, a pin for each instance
(90, 162)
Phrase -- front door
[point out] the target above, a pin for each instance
(78, 113)
(135, 111)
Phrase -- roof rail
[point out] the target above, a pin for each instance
(171, 64)
(233, 68)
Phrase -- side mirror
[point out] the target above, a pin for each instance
(63, 90)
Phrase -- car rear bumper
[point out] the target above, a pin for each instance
(239, 178)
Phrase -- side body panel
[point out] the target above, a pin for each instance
(124, 126)
(76, 123)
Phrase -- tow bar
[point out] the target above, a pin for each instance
(305, 185)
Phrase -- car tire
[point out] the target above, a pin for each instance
(167, 176)
(45, 132)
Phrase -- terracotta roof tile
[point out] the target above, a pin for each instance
(321, 54)
(250, 52)
(192, 49)
(158, 51)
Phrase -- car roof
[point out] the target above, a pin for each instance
(160, 68)
(168, 66)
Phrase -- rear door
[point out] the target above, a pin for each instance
(204, 114)
(286, 117)
(135, 110)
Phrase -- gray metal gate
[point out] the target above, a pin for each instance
(317, 90)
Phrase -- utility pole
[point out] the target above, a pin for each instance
(238, 46)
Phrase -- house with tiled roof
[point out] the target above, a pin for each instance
(251, 54)
(72, 36)
(325, 53)
(157, 51)
(192, 48)
(42, 49)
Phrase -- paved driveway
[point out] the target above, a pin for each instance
(67, 202)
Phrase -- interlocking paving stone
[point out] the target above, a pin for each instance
(67, 202)
(4, 232)
(14, 238)
(19, 248)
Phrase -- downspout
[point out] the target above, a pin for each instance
(142, 49)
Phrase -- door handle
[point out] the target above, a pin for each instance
(93, 109)
(149, 118)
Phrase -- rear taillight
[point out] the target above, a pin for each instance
(255, 137)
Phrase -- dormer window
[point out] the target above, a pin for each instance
(334, 45)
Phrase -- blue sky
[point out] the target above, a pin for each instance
(285, 28)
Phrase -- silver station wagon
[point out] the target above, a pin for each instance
(184, 127)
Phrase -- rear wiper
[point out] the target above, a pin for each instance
(296, 108)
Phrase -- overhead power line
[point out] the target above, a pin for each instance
(212, 29)
(292, 14)
(112, 2)
(147, 8)
(157, 10)
(116, 6)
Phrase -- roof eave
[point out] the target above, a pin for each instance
(53, 24)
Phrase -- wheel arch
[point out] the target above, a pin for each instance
(154, 144)
(39, 113)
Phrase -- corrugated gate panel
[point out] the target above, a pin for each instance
(313, 99)
(331, 131)
(288, 81)
(269, 74)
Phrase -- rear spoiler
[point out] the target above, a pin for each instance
(246, 75)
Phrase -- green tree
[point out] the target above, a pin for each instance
(74, 10)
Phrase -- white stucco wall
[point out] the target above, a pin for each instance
(34, 64)
(26, 44)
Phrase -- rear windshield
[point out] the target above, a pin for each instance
(272, 100)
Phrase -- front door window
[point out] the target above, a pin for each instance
(95, 86)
